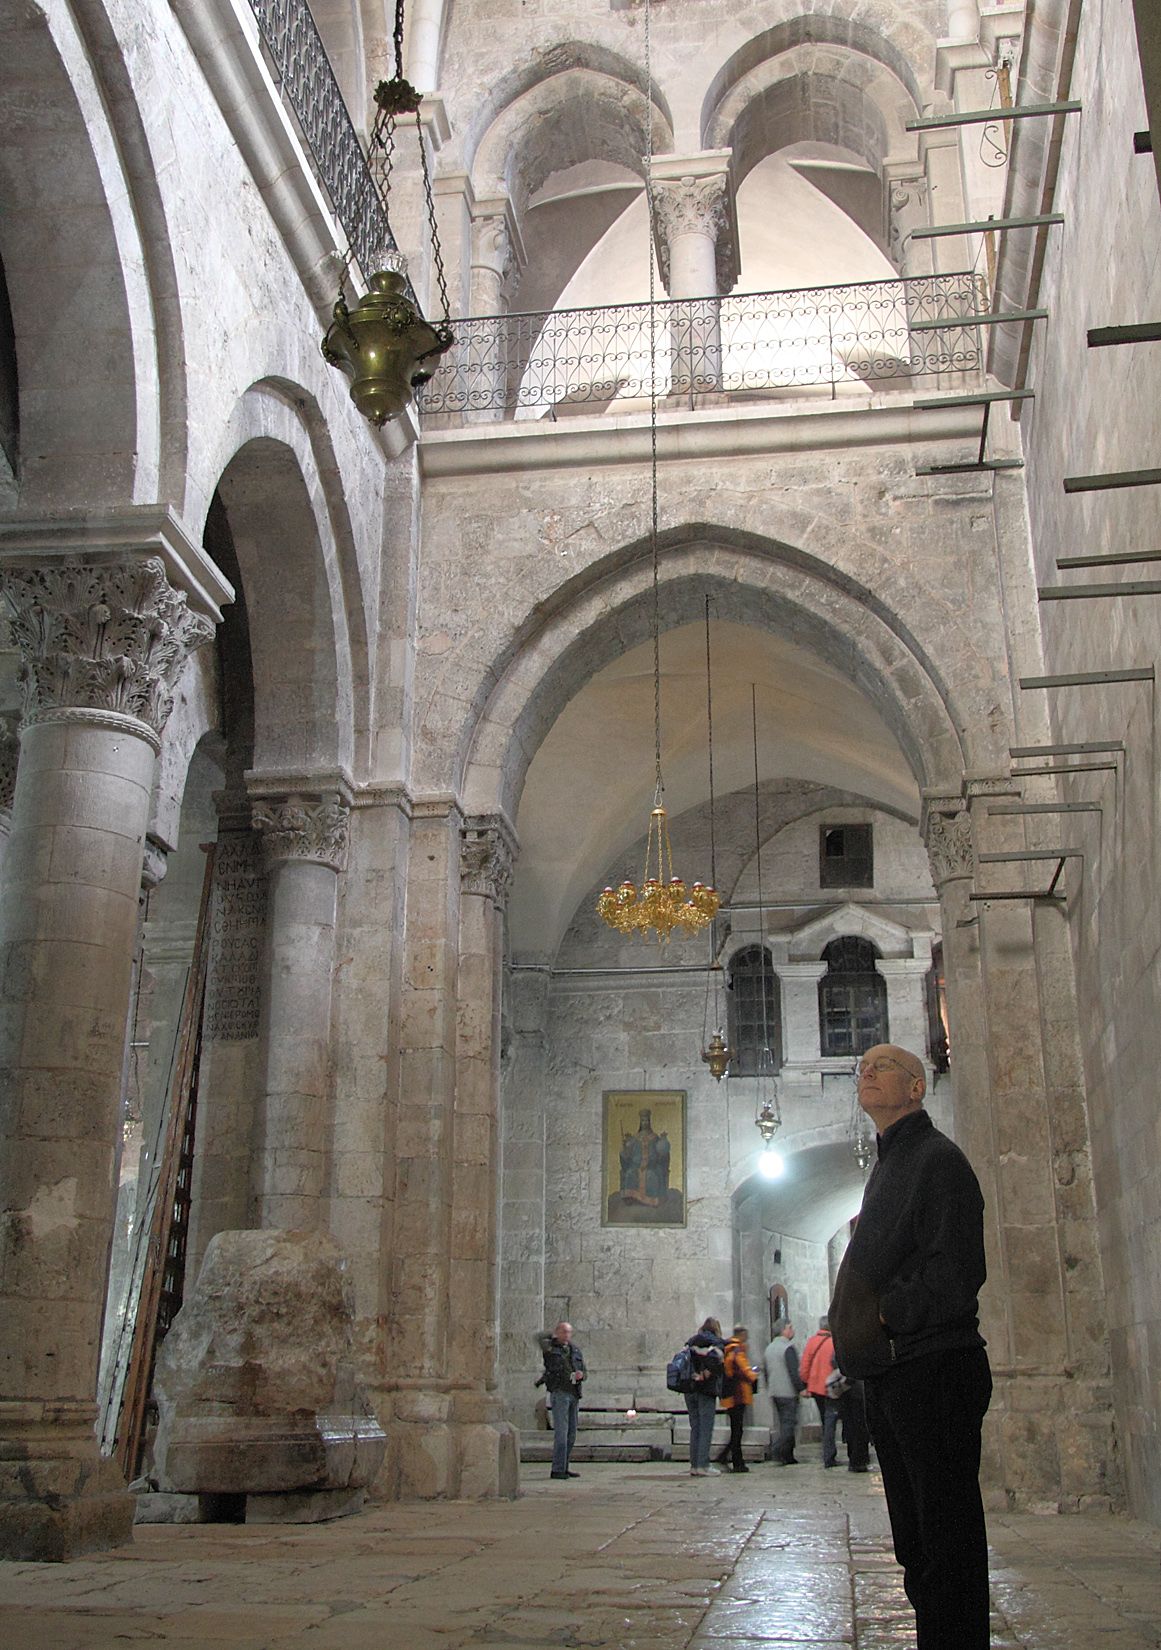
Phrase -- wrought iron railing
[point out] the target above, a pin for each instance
(309, 86)
(592, 359)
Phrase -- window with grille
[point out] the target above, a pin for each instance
(852, 998)
(752, 978)
(846, 856)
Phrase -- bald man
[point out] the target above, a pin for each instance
(905, 1320)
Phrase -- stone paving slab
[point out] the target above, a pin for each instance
(626, 1557)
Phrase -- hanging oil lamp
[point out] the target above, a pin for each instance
(385, 346)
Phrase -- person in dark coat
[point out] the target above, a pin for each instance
(708, 1350)
(564, 1370)
(905, 1321)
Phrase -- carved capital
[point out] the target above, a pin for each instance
(949, 846)
(487, 857)
(696, 206)
(303, 828)
(906, 210)
(105, 636)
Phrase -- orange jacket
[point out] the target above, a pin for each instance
(745, 1376)
(817, 1362)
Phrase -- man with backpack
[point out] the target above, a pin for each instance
(564, 1370)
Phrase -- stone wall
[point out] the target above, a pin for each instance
(1097, 410)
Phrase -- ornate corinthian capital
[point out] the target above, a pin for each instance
(487, 857)
(697, 206)
(100, 636)
(304, 828)
(949, 846)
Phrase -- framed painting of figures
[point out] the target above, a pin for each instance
(644, 1158)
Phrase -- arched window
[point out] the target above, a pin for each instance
(852, 998)
(752, 977)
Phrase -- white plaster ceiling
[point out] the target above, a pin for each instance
(589, 788)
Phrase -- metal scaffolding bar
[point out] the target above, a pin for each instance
(1090, 678)
(993, 319)
(1089, 747)
(982, 226)
(1077, 767)
(1081, 592)
(1117, 559)
(1142, 332)
(984, 399)
(1047, 808)
(1029, 853)
(1115, 478)
(982, 117)
(976, 464)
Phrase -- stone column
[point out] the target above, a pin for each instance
(496, 259)
(697, 254)
(1019, 1115)
(799, 982)
(487, 1454)
(102, 644)
(906, 979)
(304, 840)
(444, 1435)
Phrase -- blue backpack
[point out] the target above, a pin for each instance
(679, 1371)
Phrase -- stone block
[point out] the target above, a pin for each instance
(256, 1382)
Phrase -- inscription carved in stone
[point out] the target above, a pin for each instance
(103, 636)
(237, 931)
(9, 755)
(305, 829)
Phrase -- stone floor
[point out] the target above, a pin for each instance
(636, 1557)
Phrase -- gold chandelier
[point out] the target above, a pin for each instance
(663, 902)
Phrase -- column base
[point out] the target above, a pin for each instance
(447, 1446)
(58, 1498)
(1050, 1445)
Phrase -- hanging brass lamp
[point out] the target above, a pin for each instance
(382, 346)
(385, 346)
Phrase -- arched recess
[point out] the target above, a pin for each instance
(576, 122)
(90, 280)
(281, 490)
(836, 91)
(752, 581)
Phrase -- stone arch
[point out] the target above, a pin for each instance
(572, 103)
(279, 484)
(753, 581)
(818, 79)
(896, 46)
(98, 336)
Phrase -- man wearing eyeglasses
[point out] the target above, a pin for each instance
(905, 1320)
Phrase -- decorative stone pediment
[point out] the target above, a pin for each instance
(892, 938)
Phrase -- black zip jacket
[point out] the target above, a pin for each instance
(910, 1279)
(561, 1359)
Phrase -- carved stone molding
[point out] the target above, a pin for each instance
(906, 210)
(304, 828)
(949, 846)
(487, 857)
(696, 206)
(105, 636)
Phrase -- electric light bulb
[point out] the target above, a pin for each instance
(771, 1165)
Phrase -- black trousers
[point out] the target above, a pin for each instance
(732, 1451)
(852, 1410)
(925, 1418)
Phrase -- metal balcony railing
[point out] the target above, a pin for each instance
(309, 86)
(592, 360)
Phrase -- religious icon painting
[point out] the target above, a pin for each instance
(644, 1157)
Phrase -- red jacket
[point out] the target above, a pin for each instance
(817, 1362)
